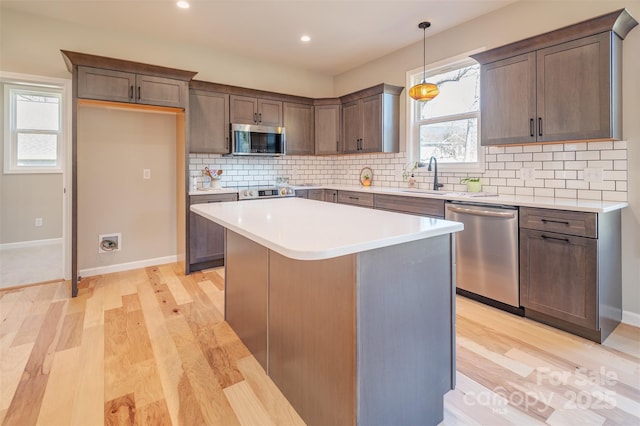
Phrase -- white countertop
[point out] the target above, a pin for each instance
(313, 230)
(593, 206)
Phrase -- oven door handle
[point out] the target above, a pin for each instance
(487, 213)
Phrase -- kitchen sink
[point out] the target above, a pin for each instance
(429, 191)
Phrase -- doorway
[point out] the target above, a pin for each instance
(34, 183)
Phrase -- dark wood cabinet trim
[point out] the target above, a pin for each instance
(85, 59)
(619, 21)
(372, 91)
(243, 91)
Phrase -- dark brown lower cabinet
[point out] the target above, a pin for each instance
(206, 238)
(570, 281)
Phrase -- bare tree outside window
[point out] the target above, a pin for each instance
(448, 124)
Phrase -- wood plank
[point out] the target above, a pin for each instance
(26, 402)
(88, 401)
(71, 334)
(14, 359)
(112, 296)
(180, 295)
(57, 403)
(246, 405)
(181, 402)
(276, 405)
(155, 413)
(120, 411)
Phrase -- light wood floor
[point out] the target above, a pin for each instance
(150, 347)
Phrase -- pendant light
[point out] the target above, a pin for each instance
(424, 91)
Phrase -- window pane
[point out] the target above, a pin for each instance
(459, 93)
(37, 112)
(37, 149)
(451, 141)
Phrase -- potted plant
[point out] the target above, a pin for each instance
(473, 184)
(366, 180)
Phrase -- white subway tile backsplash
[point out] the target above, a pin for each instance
(558, 170)
(543, 192)
(599, 145)
(590, 195)
(588, 155)
(616, 154)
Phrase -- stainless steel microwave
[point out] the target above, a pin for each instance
(251, 139)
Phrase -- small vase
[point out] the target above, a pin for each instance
(474, 186)
(215, 183)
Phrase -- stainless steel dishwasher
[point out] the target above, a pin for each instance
(487, 253)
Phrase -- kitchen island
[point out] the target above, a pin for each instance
(350, 311)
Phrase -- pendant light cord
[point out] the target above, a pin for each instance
(424, 55)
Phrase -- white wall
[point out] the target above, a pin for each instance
(514, 22)
(31, 44)
(114, 147)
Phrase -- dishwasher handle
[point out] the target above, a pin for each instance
(486, 213)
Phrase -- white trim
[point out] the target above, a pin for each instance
(631, 318)
(33, 243)
(120, 267)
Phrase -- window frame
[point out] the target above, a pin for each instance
(10, 137)
(413, 77)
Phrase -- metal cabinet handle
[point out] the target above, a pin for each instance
(561, 222)
(131, 92)
(337, 146)
(546, 237)
(531, 131)
(138, 92)
(353, 198)
(255, 117)
(505, 215)
(539, 126)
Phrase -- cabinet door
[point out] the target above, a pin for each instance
(351, 126)
(106, 85)
(558, 276)
(508, 101)
(206, 239)
(208, 122)
(302, 193)
(151, 90)
(371, 124)
(327, 126)
(316, 194)
(298, 124)
(244, 110)
(331, 195)
(574, 90)
(269, 113)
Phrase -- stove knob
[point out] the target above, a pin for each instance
(283, 191)
(251, 193)
(245, 193)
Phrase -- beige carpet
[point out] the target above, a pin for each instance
(28, 265)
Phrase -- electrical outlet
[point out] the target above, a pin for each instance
(593, 174)
(146, 173)
(38, 221)
(527, 173)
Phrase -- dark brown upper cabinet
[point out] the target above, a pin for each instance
(370, 120)
(249, 110)
(209, 122)
(560, 86)
(118, 86)
(327, 127)
(299, 128)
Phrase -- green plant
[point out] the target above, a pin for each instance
(470, 179)
(366, 177)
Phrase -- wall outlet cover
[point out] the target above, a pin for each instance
(527, 173)
(593, 174)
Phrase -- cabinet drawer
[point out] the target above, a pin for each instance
(212, 198)
(411, 205)
(355, 198)
(564, 222)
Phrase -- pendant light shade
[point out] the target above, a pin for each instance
(424, 91)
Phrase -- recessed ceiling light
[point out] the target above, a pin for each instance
(183, 4)
(305, 38)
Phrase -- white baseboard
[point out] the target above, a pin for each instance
(631, 318)
(33, 243)
(90, 272)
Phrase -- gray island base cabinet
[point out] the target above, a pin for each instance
(364, 338)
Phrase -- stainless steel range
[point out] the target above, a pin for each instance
(256, 192)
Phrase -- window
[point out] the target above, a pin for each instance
(447, 127)
(33, 129)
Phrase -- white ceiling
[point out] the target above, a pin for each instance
(344, 33)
